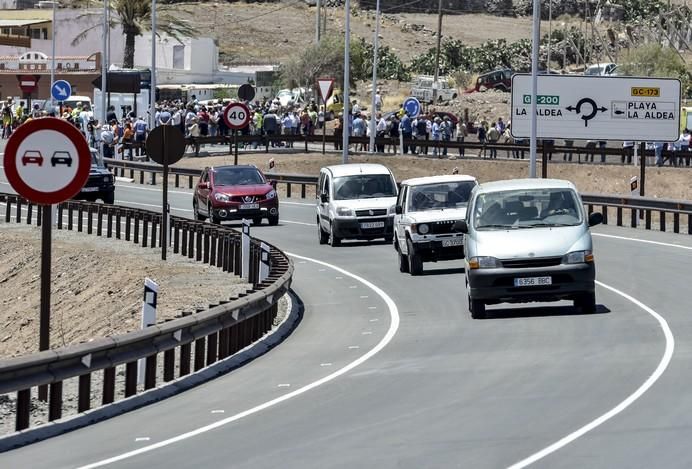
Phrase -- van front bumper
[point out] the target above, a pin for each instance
(497, 285)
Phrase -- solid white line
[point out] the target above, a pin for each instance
(658, 372)
(155, 206)
(297, 203)
(393, 326)
(297, 223)
(152, 190)
(659, 243)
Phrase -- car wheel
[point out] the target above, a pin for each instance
(109, 198)
(273, 220)
(214, 219)
(322, 236)
(403, 262)
(195, 211)
(477, 308)
(415, 264)
(586, 302)
(257, 221)
(334, 240)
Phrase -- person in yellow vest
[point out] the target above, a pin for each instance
(19, 112)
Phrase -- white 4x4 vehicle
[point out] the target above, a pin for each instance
(355, 201)
(426, 211)
(423, 87)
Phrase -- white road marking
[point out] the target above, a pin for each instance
(658, 372)
(152, 190)
(372, 307)
(297, 203)
(353, 286)
(283, 385)
(297, 222)
(142, 438)
(354, 347)
(366, 332)
(218, 411)
(325, 364)
(374, 320)
(302, 262)
(389, 335)
(321, 270)
(659, 243)
(338, 278)
(362, 297)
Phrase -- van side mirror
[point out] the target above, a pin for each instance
(398, 210)
(461, 226)
(324, 197)
(273, 183)
(595, 218)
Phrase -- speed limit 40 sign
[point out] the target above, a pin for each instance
(236, 116)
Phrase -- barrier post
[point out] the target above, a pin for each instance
(151, 292)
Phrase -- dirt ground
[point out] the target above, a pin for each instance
(97, 287)
(664, 182)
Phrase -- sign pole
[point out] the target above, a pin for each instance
(346, 92)
(235, 145)
(324, 123)
(164, 202)
(534, 85)
(44, 327)
(642, 168)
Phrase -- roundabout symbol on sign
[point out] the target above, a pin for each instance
(47, 161)
(236, 116)
(586, 116)
(412, 106)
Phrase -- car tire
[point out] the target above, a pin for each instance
(273, 220)
(322, 236)
(403, 262)
(109, 198)
(477, 308)
(334, 240)
(586, 302)
(195, 211)
(214, 219)
(415, 264)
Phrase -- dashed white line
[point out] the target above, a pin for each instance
(374, 320)
(284, 385)
(366, 333)
(362, 297)
(142, 438)
(354, 347)
(647, 241)
(218, 411)
(325, 364)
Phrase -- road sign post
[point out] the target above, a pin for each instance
(47, 161)
(326, 86)
(236, 116)
(165, 145)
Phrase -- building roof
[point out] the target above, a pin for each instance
(5, 23)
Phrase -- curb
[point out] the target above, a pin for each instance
(240, 358)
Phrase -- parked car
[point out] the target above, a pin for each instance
(497, 79)
(426, 210)
(424, 88)
(233, 193)
(528, 240)
(355, 201)
(101, 183)
(602, 69)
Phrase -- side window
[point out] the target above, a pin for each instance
(402, 196)
(320, 185)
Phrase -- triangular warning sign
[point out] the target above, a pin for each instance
(326, 85)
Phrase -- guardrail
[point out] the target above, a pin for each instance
(653, 212)
(216, 333)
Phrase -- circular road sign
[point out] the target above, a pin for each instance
(236, 116)
(246, 92)
(61, 90)
(47, 161)
(165, 144)
(412, 106)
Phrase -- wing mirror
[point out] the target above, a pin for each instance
(273, 183)
(398, 210)
(595, 218)
(461, 226)
(324, 198)
(203, 185)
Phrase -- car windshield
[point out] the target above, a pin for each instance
(595, 70)
(237, 177)
(440, 196)
(364, 186)
(527, 208)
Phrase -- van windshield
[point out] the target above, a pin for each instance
(440, 196)
(364, 186)
(527, 208)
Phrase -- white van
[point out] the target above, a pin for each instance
(355, 201)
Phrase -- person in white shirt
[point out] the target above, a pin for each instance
(380, 131)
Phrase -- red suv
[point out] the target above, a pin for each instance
(233, 193)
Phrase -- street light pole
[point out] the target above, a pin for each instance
(373, 118)
(345, 98)
(52, 59)
(104, 62)
(437, 52)
(534, 84)
(152, 88)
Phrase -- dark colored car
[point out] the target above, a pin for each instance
(233, 193)
(101, 183)
(32, 157)
(497, 79)
(61, 157)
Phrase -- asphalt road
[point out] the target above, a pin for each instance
(386, 370)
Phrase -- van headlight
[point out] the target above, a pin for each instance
(484, 262)
(423, 228)
(344, 212)
(578, 257)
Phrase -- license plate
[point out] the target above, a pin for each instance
(89, 189)
(372, 224)
(532, 281)
(248, 206)
(452, 242)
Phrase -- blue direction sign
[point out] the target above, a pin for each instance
(412, 106)
(61, 90)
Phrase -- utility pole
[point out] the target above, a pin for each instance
(346, 127)
(104, 62)
(317, 23)
(550, 35)
(437, 52)
(373, 111)
(52, 60)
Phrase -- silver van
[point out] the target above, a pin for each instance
(528, 240)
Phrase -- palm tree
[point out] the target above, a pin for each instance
(134, 16)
